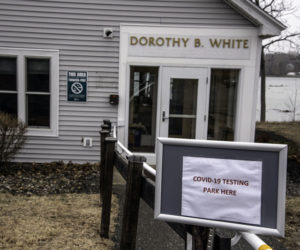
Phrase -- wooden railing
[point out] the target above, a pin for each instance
(140, 184)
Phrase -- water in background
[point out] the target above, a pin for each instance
(282, 99)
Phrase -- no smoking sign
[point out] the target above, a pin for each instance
(77, 86)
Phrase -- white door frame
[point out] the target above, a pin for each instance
(201, 74)
(248, 82)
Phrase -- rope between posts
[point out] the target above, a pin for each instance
(146, 167)
(125, 150)
(255, 241)
(264, 247)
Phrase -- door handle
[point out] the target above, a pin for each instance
(164, 116)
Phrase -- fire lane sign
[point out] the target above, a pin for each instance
(77, 86)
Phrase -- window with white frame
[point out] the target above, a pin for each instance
(29, 88)
(8, 85)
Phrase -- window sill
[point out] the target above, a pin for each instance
(41, 132)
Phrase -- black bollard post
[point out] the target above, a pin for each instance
(132, 202)
(108, 179)
(104, 133)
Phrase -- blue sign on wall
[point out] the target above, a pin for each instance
(77, 86)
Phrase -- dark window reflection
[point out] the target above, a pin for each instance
(182, 128)
(183, 107)
(8, 73)
(38, 110)
(38, 80)
(142, 108)
(38, 75)
(183, 99)
(222, 104)
(8, 103)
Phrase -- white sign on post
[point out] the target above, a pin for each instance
(222, 189)
(234, 185)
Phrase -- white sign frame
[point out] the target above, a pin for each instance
(281, 151)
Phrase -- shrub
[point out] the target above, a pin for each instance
(12, 137)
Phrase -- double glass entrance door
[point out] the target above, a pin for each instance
(173, 107)
(180, 103)
(183, 102)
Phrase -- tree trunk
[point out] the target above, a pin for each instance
(262, 81)
(262, 88)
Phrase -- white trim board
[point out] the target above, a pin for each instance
(21, 55)
(248, 68)
(268, 25)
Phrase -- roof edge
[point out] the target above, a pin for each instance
(268, 25)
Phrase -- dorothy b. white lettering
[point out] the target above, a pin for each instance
(229, 43)
(159, 41)
(189, 42)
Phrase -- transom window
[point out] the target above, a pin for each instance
(29, 88)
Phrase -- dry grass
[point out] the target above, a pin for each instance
(292, 238)
(288, 133)
(290, 130)
(69, 221)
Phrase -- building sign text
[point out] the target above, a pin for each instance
(77, 86)
(202, 47)
(184, 42)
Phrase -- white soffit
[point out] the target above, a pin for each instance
(268, 25)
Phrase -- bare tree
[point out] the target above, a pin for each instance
(279, 9)
(12, 137)
(292, 102)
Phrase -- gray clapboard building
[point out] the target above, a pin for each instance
(185, 69)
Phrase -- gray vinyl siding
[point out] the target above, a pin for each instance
(74, 27)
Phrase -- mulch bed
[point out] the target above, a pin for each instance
(59, 178)
(49, 178)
